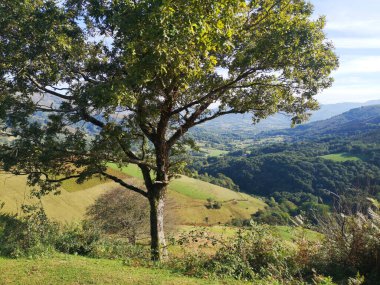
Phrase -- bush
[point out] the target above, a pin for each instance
(212, 204)
(352, 245)
(254, 252)
(117, 248)
(30, 235)
(121, 212)
(78, 239)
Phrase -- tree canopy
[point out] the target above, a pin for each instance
(140, 74)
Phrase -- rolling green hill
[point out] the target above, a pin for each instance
(186, 200)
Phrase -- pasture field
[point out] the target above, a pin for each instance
(69, 269)
(341, 157)
(186, 198)
(287, 233)
(214, 151)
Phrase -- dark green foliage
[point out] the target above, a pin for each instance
(296, 173)
(78, 239)
(270, 173)
(29, 235)
(212, 204)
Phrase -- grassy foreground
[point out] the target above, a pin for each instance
(67, 269)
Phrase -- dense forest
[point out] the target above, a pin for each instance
(321, 166)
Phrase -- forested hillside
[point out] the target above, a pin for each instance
(333, 163)
(355, 121)
(240, 125)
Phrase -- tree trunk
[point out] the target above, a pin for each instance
(158, 243)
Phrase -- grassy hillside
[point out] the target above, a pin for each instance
(188, 197)
(186, 202)
(69, 269)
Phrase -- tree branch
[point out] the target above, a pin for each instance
(124, 184)
(61, 179)
(218, 114)
(51, 92)
(217, 90)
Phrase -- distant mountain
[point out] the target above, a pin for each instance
(242, 124)
(331, 110)
(352, 122)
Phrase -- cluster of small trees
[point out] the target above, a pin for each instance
(212, 204)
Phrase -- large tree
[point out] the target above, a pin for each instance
(139, 74)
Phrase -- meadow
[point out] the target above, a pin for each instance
(341, 157)
(186, 200)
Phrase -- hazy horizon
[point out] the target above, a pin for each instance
(354, 28)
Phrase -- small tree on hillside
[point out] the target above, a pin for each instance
(121, 212)
(139, 74)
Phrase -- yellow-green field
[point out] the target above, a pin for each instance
(214, 151)
(287, 233)
(188, 197)
(69, 269)
(186, 200)
(341, 157)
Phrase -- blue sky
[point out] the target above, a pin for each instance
(354, 28)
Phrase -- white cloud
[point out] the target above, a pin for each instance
(349, 93)
(367, 27)
(357, 43)
(363, 64)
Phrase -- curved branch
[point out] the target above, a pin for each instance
(217, 90)
(51, 92)
(124, 184)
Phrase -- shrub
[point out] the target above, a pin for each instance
(254, 252)
(30, 235)
(78, 239)
(121, 212)
(118, 248)
(352, 245)
(212, 204)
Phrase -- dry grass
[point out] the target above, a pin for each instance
(186, 200)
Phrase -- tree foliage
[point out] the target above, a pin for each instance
(141, 74)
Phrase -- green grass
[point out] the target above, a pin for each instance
(341, 157)
(286, 233)
(214, 151)
(66, 269)
(72, 186)
(290, 233)
(192, 188)
(131, 170)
